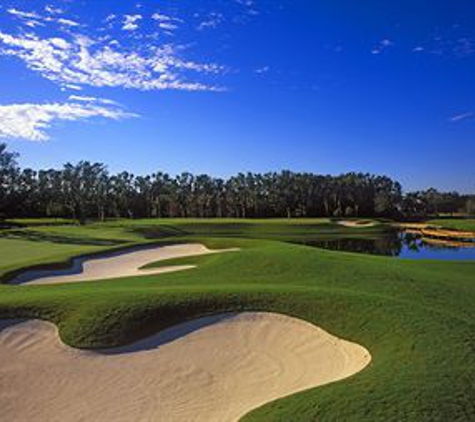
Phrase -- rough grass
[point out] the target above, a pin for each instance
(416, 318)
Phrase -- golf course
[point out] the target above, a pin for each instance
(237, 211)
(408, 323)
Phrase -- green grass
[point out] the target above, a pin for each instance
(417, 318)
(467, 224)
(295, 230)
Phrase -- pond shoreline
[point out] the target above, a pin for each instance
(436, 232)
(402, 244)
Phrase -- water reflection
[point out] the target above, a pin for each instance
(401, 245)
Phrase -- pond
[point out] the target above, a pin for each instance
(400, 245)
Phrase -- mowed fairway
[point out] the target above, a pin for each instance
(416, 318)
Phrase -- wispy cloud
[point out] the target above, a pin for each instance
(166, 22)
(464, 47)
(32, 121)
(418, 49)
(456, 42)
(213, 20)
(131, 22)
(79, 60)
(262, 70)
(463, 116)
(86, 99)
(34, 19)
(23, 15)
(382, 46)
(450, 46)
(250, 5)
(67, 22)
(53, 10)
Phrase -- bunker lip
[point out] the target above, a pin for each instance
(116, 264)
(216, 368)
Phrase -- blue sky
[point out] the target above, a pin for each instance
(222, 86)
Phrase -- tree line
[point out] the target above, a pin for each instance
(88, 191)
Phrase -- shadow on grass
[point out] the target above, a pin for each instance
(166, 336)
(7, 323)
(56, 238)
(157, 232)
(155, 341)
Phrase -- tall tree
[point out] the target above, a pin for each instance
(8, 173)
(82, 189)
(86, 190)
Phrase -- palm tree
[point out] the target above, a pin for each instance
(184, 190)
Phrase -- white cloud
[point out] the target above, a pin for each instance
(166, 22)
(52, 10)
(32, 121)
(464, 47)
(463, 116)
(448, 44)
(82, 61)
(67, 22)
(33, 23)
(262, 70)
(23, 15)
(33, 19)
(161, 17)
(247, 3)
(250, 5)
(212, 21)
(71, 87)
(167, 26)
(131, 22)
(382, 46)
(86, 99)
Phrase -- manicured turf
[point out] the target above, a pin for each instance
(416, 318)
(467, 224)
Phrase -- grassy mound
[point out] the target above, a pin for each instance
(416, 318)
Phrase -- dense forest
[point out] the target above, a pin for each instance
(88, 191)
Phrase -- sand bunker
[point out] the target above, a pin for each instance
(118, 264)
(357, 224)
(412, 226)
(213, 369)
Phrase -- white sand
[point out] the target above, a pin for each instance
(119, 264)
(353, 224)
(211, 370)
